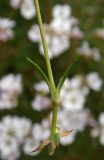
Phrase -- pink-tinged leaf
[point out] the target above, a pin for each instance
(42, 145)
(66, 133)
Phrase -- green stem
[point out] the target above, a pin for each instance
(54, 117)
(50, 74)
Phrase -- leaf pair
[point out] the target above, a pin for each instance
(45, 78)
(52, 142)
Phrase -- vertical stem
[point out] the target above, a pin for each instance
(54, 117)
(50, 74)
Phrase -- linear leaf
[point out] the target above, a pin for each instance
(62, 80)
(41, 72)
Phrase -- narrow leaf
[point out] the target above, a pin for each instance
(42, 145)
(41, 72)
(62, 80)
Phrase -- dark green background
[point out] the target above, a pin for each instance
(13, 60)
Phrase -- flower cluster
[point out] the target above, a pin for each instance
(72, 114)
(13, 131)
(10, 89)
(6, 26)
(27, 8)
(58, 33)
(87, 52)
(16, 132)
(41, 100)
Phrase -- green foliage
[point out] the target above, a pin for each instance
(65, 75)
(41, 72)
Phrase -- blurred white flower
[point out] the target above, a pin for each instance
(41, 131)
(34, 33)
(22, 127)
(10, 89)
(28, 146)
(61, 26)
(15, 3)
(73, 100)
(77, 33)
(6, 26)
(9, 148)
(94, 81)
(54, 47)
(14, 132)
(58, 32)
(74, 93)
(86, 51)
(76, 120)
(17, 127)
(40, 102)
(61, 11)
(100, 33)
(98, 130)
(68, 139)
(41, 87)
(27, 8)
(72, 120)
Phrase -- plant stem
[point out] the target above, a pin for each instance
(50, 74)
(54, 117)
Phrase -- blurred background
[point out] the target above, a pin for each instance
(72, 28)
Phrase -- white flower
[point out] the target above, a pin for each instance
(34, 33)
(28, 146)
(58, 32)
(41, 87)
(17, 127)
(11, 83)
(40, 102)
(37, 132)
(27, 9)
(22, 128)
(73, 93)
(54, 47)
(61, 26)
(6, 26)
(61, 11)
(73, 120)
(86, 51)
(77, 33)
(68, 139)
(94, 81)
(15, 3)
(11, 87)
(9, 148)
(73, 100)
(41, 131)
